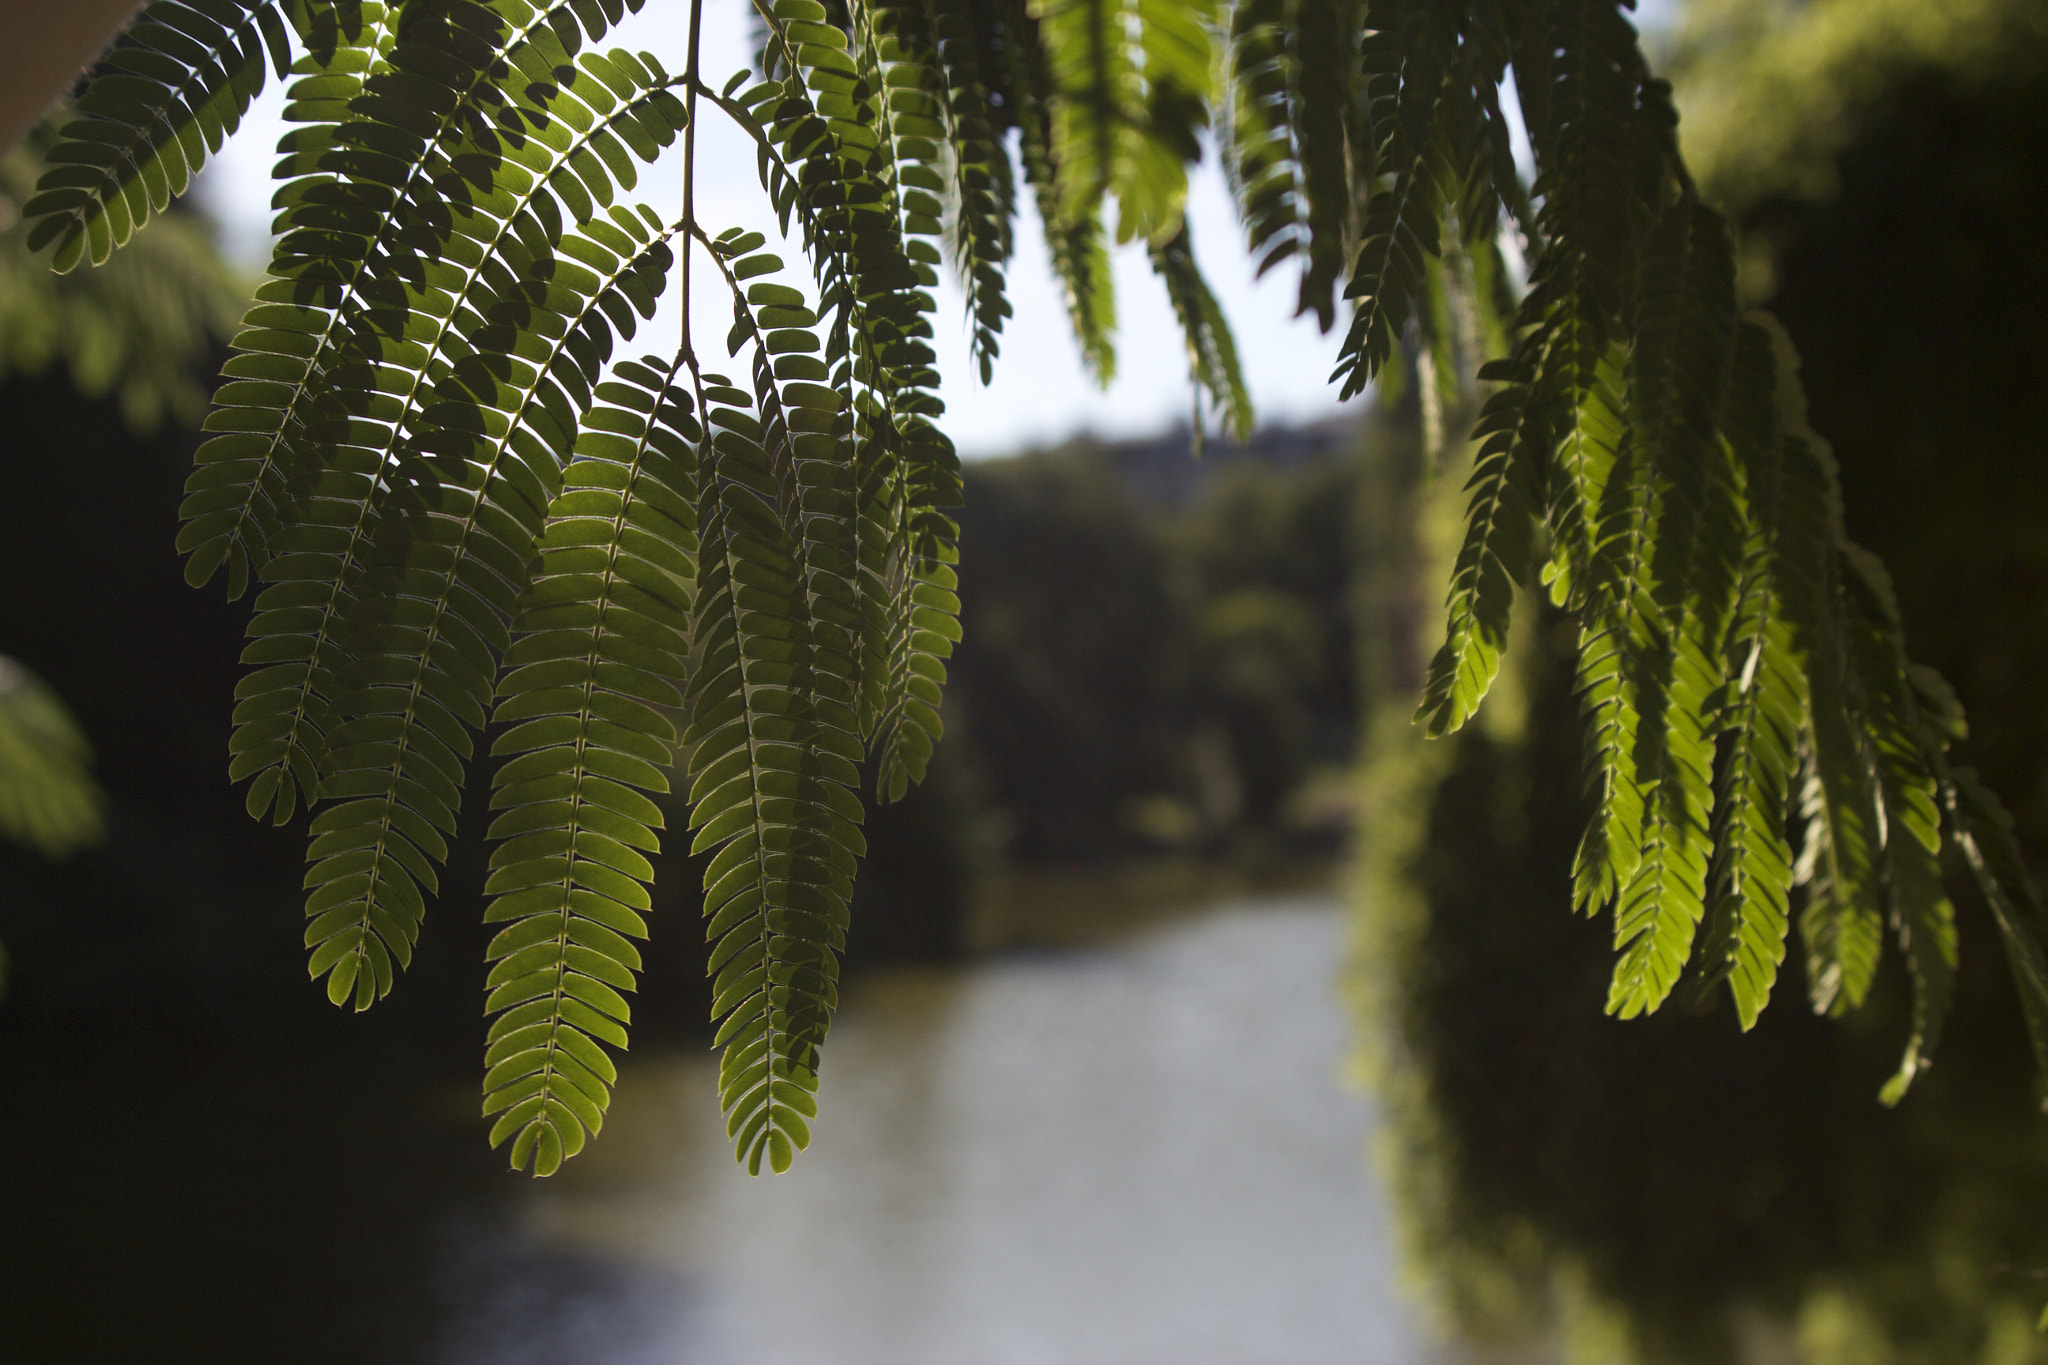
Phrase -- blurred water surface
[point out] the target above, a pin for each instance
(1127, 1152)
(1120, 1155)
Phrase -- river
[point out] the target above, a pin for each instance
(1121, 1155)
(1131, 1153)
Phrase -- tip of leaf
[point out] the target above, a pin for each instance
(68, 254)
(341, 982)
(1625, 1003)
(201, 567)
(1434, 718)
(1910, 1066)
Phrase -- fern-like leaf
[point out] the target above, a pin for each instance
(1761, 712)
(590, 682)
(457, 515)
(1213, 366)
(1075, 244)
(1679, 598)
(1908, 784)
(1984, 832)
(1514, 435)
(902, 471)
(1407, 66)
(1131, 80)
(1620, 643)
(389, 170)
(161, 101)
(908, 551)
(1258, 139)
(1327, 89)
(417, 679)
(1579, 74)
(1843, 841)
(949, 159)
(1752, 867)
(773, 739)
(502, 320)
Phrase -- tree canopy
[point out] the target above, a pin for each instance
(469, 518)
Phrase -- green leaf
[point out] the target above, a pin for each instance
(152, 110)
(1212, 350)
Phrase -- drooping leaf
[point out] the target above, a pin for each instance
(591, 680)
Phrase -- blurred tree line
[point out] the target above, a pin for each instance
(1147, 675)
(1157, 675)
(1667, 1189)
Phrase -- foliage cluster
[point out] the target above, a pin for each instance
(1668, 1189)
(471, 521)
(1661, 1192)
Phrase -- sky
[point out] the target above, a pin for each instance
(1040, 394)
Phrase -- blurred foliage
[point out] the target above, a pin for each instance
(48, 799)
(1140, 676)
(140, 333)
(1669, 1189)
(1774, 90)
(140, 329)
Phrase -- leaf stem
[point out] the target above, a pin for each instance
(690, 67)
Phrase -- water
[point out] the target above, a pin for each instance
(1128, 1153)
(1118, 1156)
